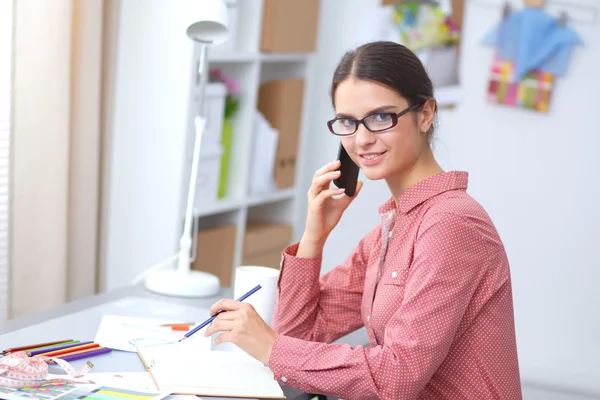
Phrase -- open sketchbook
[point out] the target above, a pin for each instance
(177, 370)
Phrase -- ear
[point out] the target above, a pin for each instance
(426, 115)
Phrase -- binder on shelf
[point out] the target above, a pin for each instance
(215, 252)
(280, 101)
(264, 152)
(289, 26)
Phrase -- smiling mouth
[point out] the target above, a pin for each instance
(371, 156)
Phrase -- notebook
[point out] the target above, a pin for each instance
(177, 370)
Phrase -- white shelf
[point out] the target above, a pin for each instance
(285, 57)
(232, 57)
(228, 205)
(219, 207)
(252, 57)
(267, 198)
(448, 95)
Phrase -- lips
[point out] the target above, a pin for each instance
(371, 156)
(371, 159)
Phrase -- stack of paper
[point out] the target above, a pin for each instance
(264, 152)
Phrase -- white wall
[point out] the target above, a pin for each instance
(144, 165)
(6, 50)
(40, 155)
(536, 175)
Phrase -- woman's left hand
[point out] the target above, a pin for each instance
(242, 326)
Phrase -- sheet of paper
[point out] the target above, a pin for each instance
(219, 373)
(128, 333)
(141, 381)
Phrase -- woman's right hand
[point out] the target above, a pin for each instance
(324, 211)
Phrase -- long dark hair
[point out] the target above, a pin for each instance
(390, 64)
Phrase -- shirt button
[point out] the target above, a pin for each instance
(369, 318)
(390, 234)
(283, 379)
(394, 274)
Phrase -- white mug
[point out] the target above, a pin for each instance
(247, 277)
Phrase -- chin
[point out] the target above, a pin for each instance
(374, 174)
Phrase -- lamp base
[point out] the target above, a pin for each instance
(171, 282)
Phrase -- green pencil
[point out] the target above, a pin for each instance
(53, 345)
(38, 346)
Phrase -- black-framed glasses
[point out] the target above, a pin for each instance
(376, 122)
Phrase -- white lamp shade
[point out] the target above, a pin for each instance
(207, 21)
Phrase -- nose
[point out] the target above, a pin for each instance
(363, 137)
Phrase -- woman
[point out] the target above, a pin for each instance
(431, 282)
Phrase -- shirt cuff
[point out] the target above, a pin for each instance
(306, 264)
(291, 251)
(286, 355)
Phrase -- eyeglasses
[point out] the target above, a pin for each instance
(376, 122)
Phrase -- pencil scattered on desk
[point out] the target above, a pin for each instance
(37, 346)
(84, 354)
(67, 350)
(71, 349)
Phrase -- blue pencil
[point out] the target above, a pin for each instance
(208, 321)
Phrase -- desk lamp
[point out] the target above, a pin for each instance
(206, 24)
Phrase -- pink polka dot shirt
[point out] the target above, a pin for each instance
(431, 284)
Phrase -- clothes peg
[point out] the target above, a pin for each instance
(563, 18)
(534, 3)
(506, 9)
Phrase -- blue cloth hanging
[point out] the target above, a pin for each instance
(532, 39)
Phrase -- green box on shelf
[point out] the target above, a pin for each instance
(226, 139)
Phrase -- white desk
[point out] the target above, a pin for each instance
(80, 319)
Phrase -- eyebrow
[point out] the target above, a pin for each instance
(373, 111)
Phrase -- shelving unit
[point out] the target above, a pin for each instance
(251, 69)
(151, 135)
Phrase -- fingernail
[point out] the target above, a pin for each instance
(341, 189)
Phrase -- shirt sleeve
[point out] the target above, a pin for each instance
(320, 309)
(450, 260)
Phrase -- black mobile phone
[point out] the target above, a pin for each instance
(349, 176)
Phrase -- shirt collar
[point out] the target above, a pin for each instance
(426, 189)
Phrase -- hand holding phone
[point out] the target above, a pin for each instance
(349, 173)
(324, 207)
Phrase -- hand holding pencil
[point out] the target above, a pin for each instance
(242, 326)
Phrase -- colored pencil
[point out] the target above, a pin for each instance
(89, 349)
(95, 352)
(208, 321)
(69, 350)
(35, 346)
(48, 349)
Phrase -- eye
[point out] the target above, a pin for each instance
(346, 122)
(382, 117)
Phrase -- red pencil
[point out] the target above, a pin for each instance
(70, 350)
(34, 346)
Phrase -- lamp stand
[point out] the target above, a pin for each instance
(183, 282)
